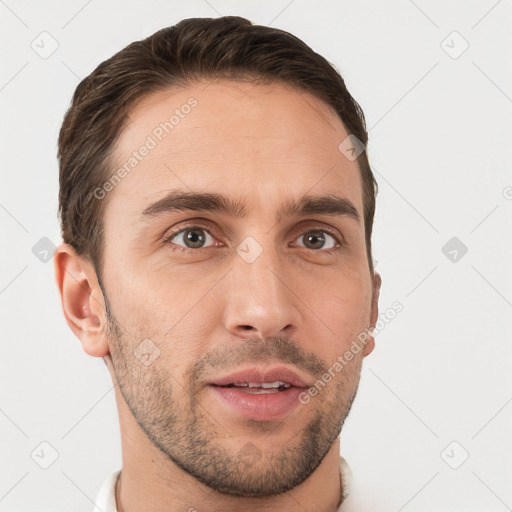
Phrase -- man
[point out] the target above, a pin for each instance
(217, 207)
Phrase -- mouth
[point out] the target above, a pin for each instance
(264, 395)
(275, 379)
(253, 388)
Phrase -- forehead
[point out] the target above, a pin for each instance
(267, 143)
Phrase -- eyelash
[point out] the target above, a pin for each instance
(174, 247)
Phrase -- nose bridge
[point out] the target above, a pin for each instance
(259, 301)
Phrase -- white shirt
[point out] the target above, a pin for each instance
(106, 499)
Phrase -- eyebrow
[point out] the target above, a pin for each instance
(178, 200)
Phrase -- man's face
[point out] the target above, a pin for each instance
(255, 289)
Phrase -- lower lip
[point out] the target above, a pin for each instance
(261, 407)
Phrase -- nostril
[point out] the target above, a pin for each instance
(247, 327)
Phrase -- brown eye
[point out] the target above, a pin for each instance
(191, 238)
(317, 239)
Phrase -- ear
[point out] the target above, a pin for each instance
(82, 299)
(374, 314)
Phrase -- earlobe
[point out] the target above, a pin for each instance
(374, 314)
(82, 299)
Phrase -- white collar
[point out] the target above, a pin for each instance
(106, 499)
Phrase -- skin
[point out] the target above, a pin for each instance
(182, 448)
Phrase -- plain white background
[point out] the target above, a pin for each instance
(430, 427)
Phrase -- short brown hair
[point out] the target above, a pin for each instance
(194, 49)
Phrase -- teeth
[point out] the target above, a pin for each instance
(265, 385)
(275, 384)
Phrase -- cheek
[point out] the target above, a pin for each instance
(342, 294)
(340, 312)
(172, 310)
(162, 296)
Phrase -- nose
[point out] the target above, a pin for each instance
(260, 301)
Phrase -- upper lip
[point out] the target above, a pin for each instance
(260, 376)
